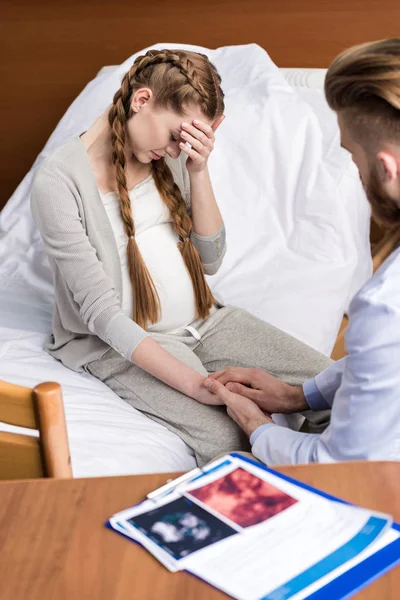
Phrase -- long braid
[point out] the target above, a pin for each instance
(146, 299)
(173, 199)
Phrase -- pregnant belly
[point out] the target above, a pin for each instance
(159, 248)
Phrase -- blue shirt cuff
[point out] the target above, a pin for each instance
(257, 432)
(315, 399)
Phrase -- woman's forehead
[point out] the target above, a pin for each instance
(189, 114)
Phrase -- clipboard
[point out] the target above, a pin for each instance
(345, 585)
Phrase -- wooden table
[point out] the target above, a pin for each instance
(54, 546)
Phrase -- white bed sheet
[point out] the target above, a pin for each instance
(286, 191)
(106, 435)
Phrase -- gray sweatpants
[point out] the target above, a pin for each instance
(228, 337)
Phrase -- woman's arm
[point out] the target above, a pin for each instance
(66, 242)
(206, 216)
(152, 357)
(208, 234)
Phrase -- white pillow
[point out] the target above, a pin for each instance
(309, 84)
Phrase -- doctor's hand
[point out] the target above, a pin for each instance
(268, 392)
(242, 410)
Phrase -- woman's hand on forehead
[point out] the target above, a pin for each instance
(200, 136)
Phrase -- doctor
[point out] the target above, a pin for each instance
(363, 389)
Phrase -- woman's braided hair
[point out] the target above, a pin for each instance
(177, 79)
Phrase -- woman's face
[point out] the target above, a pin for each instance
(155, 132)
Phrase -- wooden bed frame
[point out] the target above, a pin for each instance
(52, 49)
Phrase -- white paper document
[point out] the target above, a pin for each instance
(253, 534)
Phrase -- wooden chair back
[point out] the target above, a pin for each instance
(42, 409)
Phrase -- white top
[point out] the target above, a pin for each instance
(158, 245)
(363, 388)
